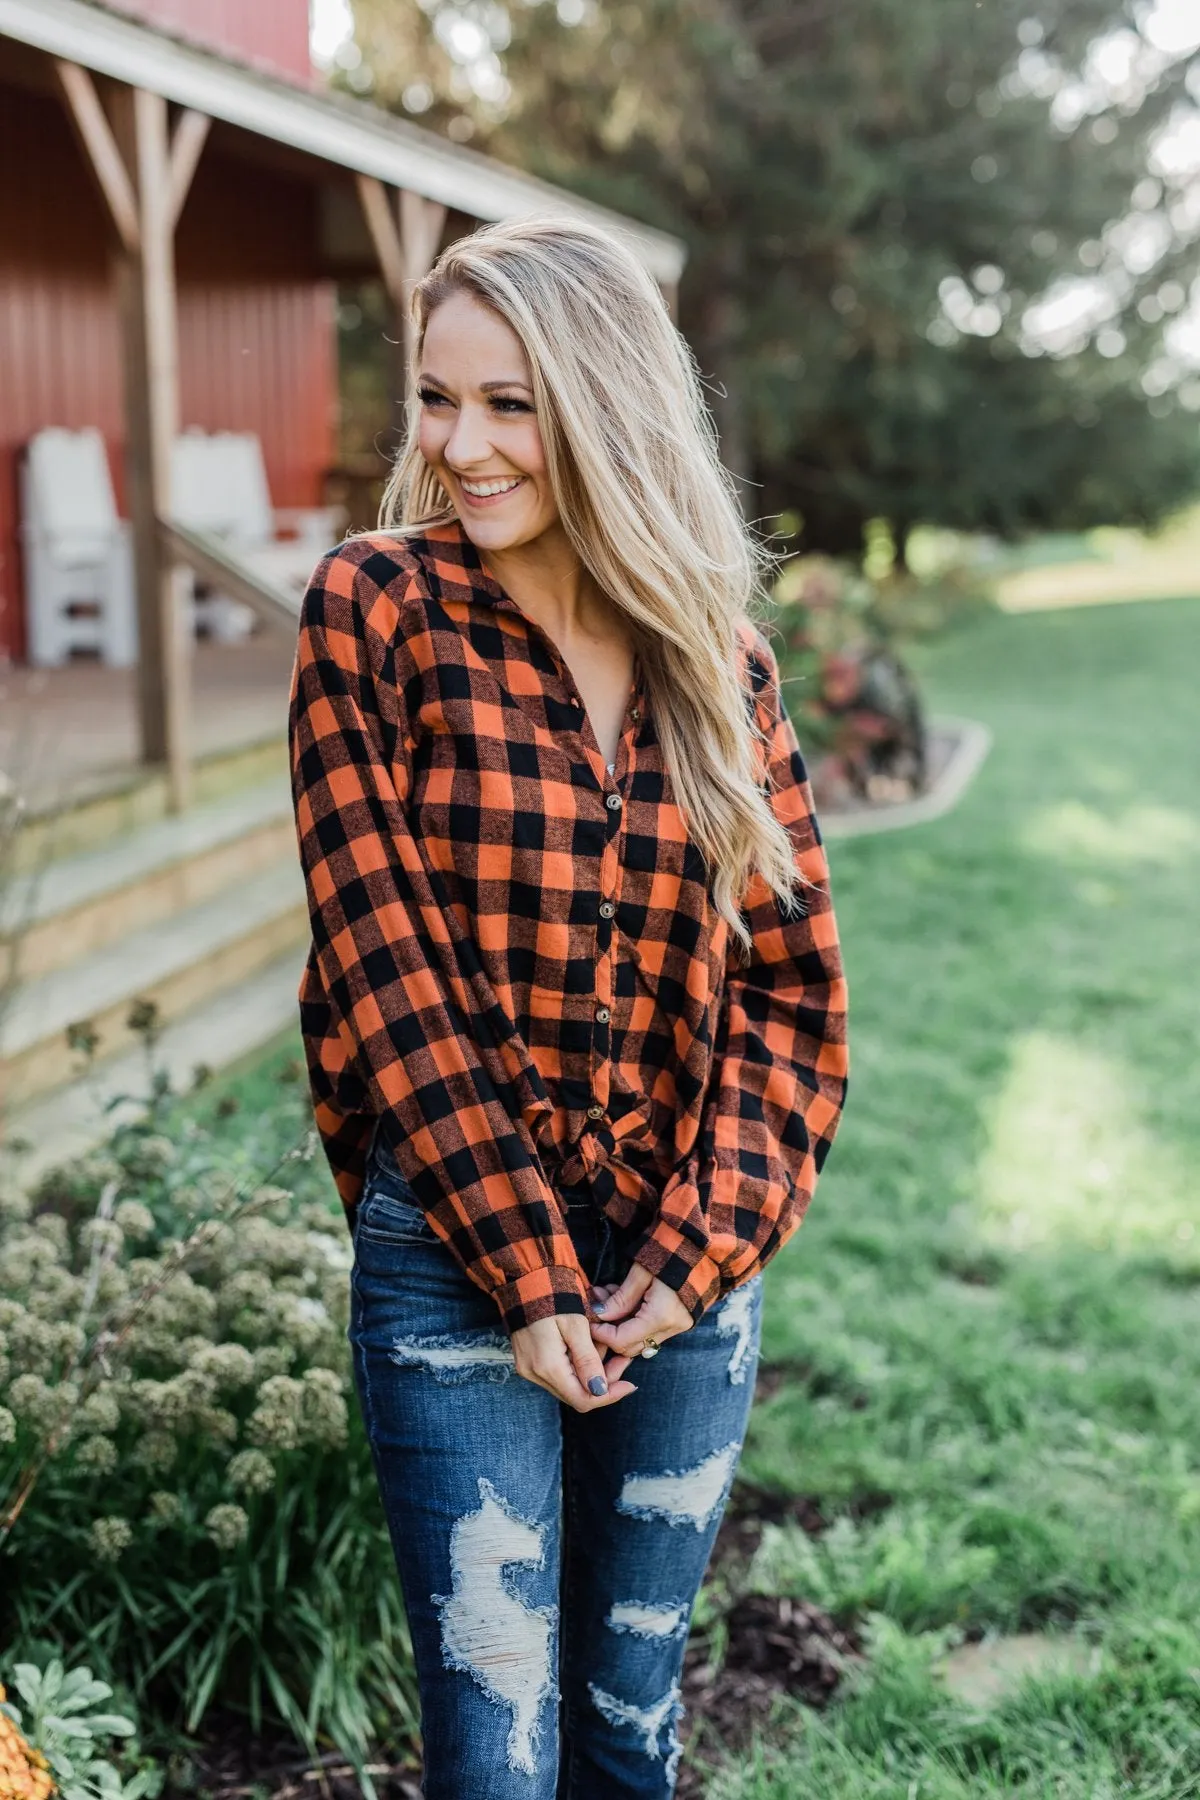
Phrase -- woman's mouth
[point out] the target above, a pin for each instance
(489, 493)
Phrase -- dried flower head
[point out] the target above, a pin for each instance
(134, 1219)
(110, 1538)
(227, 1525)
(250, 1472)
(98, 1455)
(165, 1508)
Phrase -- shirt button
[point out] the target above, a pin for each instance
(595, 1112)
(602, 1015)
(607, 909)
(613, 803)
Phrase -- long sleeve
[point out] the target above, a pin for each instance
(395, 973)
(780, 1062)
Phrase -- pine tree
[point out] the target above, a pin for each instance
(873, 192)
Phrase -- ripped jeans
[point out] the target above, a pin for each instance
(549, 1559)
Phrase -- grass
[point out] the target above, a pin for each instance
(1110, 563)
(989, 1318)
(991, 1310)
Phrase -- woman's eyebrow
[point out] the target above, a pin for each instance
(485, 387)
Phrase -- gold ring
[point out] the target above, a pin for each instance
(651, 1347)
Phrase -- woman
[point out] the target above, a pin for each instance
(574, 1010)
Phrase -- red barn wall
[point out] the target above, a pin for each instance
(256, 319)
(270, 33)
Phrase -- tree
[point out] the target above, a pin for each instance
(874, 192)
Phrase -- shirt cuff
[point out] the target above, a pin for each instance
(544, 1293)
(678, 1262)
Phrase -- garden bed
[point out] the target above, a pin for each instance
(954, 752)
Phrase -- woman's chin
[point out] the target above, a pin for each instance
(495, 532)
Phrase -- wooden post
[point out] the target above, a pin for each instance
(144, 177)
(146, 298)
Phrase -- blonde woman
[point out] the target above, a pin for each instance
(574, 1011)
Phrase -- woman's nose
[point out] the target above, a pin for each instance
(469, 444)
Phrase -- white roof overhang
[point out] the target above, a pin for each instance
(349, 133)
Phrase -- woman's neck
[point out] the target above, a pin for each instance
(548, 581)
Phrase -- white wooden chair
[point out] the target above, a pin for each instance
(79, 585)
(219, 486)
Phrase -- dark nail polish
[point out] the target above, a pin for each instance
(597, 1385)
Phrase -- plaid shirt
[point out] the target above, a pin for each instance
(516, 962)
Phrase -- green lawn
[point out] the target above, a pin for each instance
(991, 1313)
(987, 1329)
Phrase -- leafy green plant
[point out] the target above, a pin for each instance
(62, 1719)
(187, 1499)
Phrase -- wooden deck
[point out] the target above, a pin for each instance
(68, 734)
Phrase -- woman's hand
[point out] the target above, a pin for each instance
(642, 1307)
(558, 1354)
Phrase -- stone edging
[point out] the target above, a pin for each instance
(972, 743)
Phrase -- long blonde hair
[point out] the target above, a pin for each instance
(653, 515)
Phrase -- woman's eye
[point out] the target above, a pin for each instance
(507, 403)
(430, 396)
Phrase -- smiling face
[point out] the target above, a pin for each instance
(479, 431)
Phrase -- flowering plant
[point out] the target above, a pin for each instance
(859, 709)
(182, 1485)
(189, 1343)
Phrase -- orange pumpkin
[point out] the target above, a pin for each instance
(24, 1772)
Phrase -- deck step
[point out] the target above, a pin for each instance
(177, 962)
(72, 908)
(120, 801)
(70, 1120)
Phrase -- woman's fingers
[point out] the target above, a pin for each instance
(615, 1366)
(559, 1355)
(661, 1315)
(586, 1359)
(621, 1301)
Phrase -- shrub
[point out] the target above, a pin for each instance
(854, 701)
(190, 1502)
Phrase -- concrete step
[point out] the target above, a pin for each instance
(177, 963)
(69, 1120)
(72, 908)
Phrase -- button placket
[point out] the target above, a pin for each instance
(610, 884)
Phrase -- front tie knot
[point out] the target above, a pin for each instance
(598, 1147)
(591, 1153)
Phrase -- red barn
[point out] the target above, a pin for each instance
(180, 199)
(180, 153)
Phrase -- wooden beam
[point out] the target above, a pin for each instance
(385, 237)
(186, 145)
(214, 563)
(101, 149)
(146, 295)
(421, 225)
(406, 249)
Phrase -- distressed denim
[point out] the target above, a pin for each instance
(549, 1559)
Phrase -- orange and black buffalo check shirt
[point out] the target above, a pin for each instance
(516, 962)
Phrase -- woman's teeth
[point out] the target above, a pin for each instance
(483, 490)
